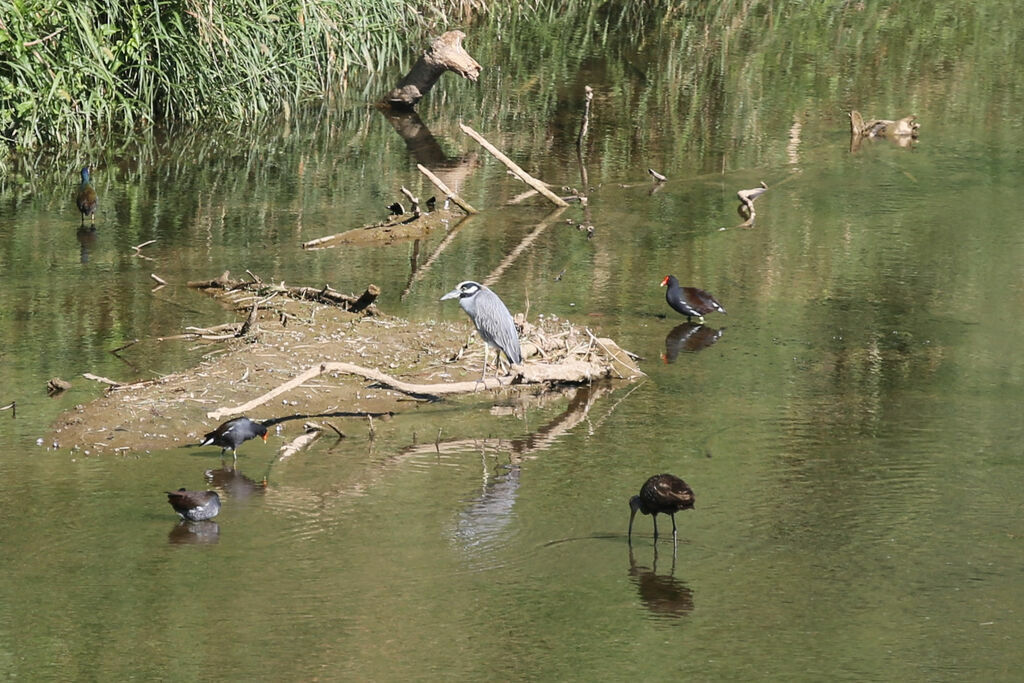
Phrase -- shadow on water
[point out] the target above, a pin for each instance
(689, 337)
(194, 533)
(664, 596)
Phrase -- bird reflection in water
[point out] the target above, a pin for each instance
(689, 337)
(199, 533)
(663, 595)
(231, 481)
(491, 512)
(86, 240)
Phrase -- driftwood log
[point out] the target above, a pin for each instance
(324, 295)
(444, 54)
(908, 125)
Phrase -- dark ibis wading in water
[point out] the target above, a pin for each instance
(665, 493)
(689, 301)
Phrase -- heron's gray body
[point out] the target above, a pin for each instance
(491, 318)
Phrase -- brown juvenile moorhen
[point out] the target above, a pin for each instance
(665, 493)
(195, 506)
(689, 301)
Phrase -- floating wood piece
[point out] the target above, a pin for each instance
(444, 54)
(448, 193)
(657, 176)
(13, 407)
(300, 442)
(57, 385)
(588, 97)
(512, 166)
(748, 196)
(908, 125)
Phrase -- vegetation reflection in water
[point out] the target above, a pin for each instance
(852, 435)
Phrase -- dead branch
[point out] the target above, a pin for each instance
(444, 54)
(588, 97)
(13, 407)
(568, 372)
(657, 176)
(300, 442)
(98, 378)
(448, 193)
(159, 280)
(415, 201)
(512, 166)
(138, 250)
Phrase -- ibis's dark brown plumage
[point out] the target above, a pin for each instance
(195, 506)
(689, 301)
(665, 493)
(233, 434)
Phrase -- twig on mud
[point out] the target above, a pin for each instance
(515, 168)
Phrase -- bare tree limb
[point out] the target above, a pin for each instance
(459, 201)
(514, 167)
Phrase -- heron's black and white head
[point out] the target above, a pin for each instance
(464, 290)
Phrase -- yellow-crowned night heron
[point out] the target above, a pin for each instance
(492, 320)
(664, 493)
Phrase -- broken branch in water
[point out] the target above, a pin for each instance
(415, 201)
(138, 250)
(444, 54)
(13, 407)
(448, 193)
(746, 208)
(588, 97)
(300, 442)
(514, 167)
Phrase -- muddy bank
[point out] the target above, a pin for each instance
(290, 337)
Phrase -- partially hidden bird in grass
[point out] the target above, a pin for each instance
(233, 434)
(689, 301)
(195, 506)
(492, 320)
(662, 493)
(86, 198)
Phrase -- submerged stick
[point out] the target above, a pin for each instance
(448, 193)
(300, 442)
(514, 167)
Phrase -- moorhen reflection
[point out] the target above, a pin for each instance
(662, 594)
(664, 493)
(86, 241)
(689, 338)
(185, 532)
(232, 482)
(233, 434)
(689, 301)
